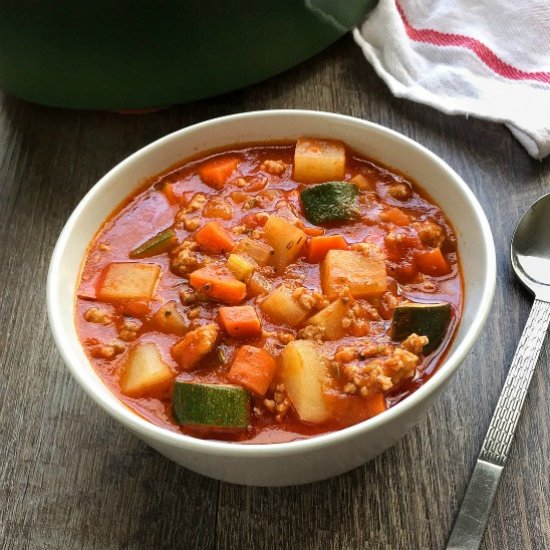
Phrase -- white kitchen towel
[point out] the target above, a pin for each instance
(489, 59)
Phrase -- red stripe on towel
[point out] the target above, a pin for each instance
(485, 54)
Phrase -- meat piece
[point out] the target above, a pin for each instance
(430, 233)
(275, 167)
(195, 345)
(186, 258)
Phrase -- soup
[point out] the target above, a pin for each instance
(270, 292)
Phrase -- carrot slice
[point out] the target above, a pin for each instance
(253, 368)
(432, 262)
(313, 231)
(218, 283)
(396, 216)
(216, 172)
(240, 321)
(319, 246)
(351, 409)
(214, 238)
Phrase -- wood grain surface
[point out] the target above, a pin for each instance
(71, 477)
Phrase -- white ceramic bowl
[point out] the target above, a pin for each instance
(326, 455)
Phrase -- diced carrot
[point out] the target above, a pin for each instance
(406, 271)
(195, 345)
(135, 308)
(313, 231)
(351, 409)
(214, 238)
(168, 190)
(432, 262)
(252, 368)
(216, 172)
(396, 216)
(218, 283)
(319, 246)
(240, 321)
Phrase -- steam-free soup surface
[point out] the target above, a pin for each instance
(270, 292)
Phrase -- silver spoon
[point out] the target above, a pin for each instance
(530, 252)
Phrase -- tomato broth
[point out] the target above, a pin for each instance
(188, 291)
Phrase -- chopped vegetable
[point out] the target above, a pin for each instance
(258, 285)
(331, 317)
(313, 231)
(361, 274)
(303, 371)
(281, 307)
(218, 283)
(253, 368)
(328, 202)
(240, 321)
(432, 262)
(258, 251)
(169, 320)
(134, 308)
(431, 320)
(241, 267)
(216, 172)
(216, 406)
(158, 244)
(318, 160)
(286, 239)
(145, 373)
(351, 409)
(214, 238)
(129, 281)
(319, 246)
(363, 184)
(195, 345)
(396, 216)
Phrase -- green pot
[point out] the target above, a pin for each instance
(119, 54)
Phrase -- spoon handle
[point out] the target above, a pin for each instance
(471, 521)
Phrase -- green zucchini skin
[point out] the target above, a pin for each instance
(431, 320)
(155, 245)
(211, 405)
(331, 201)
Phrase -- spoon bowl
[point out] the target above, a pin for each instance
(530, 249)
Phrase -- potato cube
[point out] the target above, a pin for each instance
(286, 239)
(359, 273)
(169, 320)
(318, 160)
(330, 318)
(129, 281)
(303, 370)
(145, 373)
(281, 307)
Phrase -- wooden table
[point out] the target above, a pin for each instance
(71, 477)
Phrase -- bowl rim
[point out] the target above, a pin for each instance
(161, 435)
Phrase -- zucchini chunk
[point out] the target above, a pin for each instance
(431, 320)
(318, 160)
(220, 406)
(329, 202)
(158, 244)
(303, 370)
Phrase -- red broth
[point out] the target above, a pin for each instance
(394, 215)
